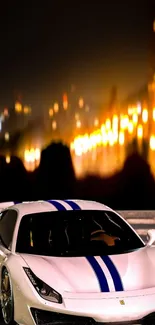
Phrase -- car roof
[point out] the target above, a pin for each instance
(56, 205)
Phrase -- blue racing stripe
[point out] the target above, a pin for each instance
(114, 273)
(57, 205)
(72, 204)
(99, 273)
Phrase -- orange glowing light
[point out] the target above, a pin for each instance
(140, 131)
(65, 105)
(139, 108)
(108, 124)
(154, 114)
(56, 107)
(37, 154)
(7, 136)
(8, 159)
(32, 158)
(115, 121)
(65, 98)
(111, 138)
(124, 122)
(81, 102)
(121, 138)
(130, 110)
(152, 143)
(130, 127)
(96, 122)
(77, 116)
(145, 115)
(6, 112)
(26, 109)
(87, 108)
(18, 107)
(103, 129)
(78, 124)
(65, 101)
(54, 125)
(51, 112)
(135, 118)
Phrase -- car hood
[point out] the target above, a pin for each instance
(130, 271)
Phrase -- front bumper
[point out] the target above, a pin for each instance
(134, 307)
(114, 307)
(42, 317)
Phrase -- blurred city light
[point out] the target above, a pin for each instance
(115, 122)
(77, 116)
(124, 122)
(135, 118)
(32, 158)
(65, 105)
(18, 107)
(98, 140)
(6, 112)
(121, 138)
(54, 125)
(81, 102)
(130, 110)
(37, 154)
(152, 142)
(130, 127)
(78, 124)
(56, 107)
(140, 132)
(65, 101)
(27, 110)
(139, 108)
(111, 138)
(96, 122)
(8, 159)
(87, 108)
(145, 115)
(108, 124)
(7, 136)
(153, 114)
(50, 112)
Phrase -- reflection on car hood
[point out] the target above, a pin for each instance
(130, 271)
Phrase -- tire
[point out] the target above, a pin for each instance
(7, 302)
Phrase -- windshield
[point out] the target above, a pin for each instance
(75, 233)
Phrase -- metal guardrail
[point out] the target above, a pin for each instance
(141, 221)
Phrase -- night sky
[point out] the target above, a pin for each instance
(47, 47)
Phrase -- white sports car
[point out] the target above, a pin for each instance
(73, 262)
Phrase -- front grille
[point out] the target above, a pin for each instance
(42, 317)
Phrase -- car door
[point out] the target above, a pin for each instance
(8, 220)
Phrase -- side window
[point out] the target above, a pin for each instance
(7, 224)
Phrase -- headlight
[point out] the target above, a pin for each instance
(42, 288)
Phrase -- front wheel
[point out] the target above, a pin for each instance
(7, 303)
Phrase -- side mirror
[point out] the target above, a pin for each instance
(150, 237)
